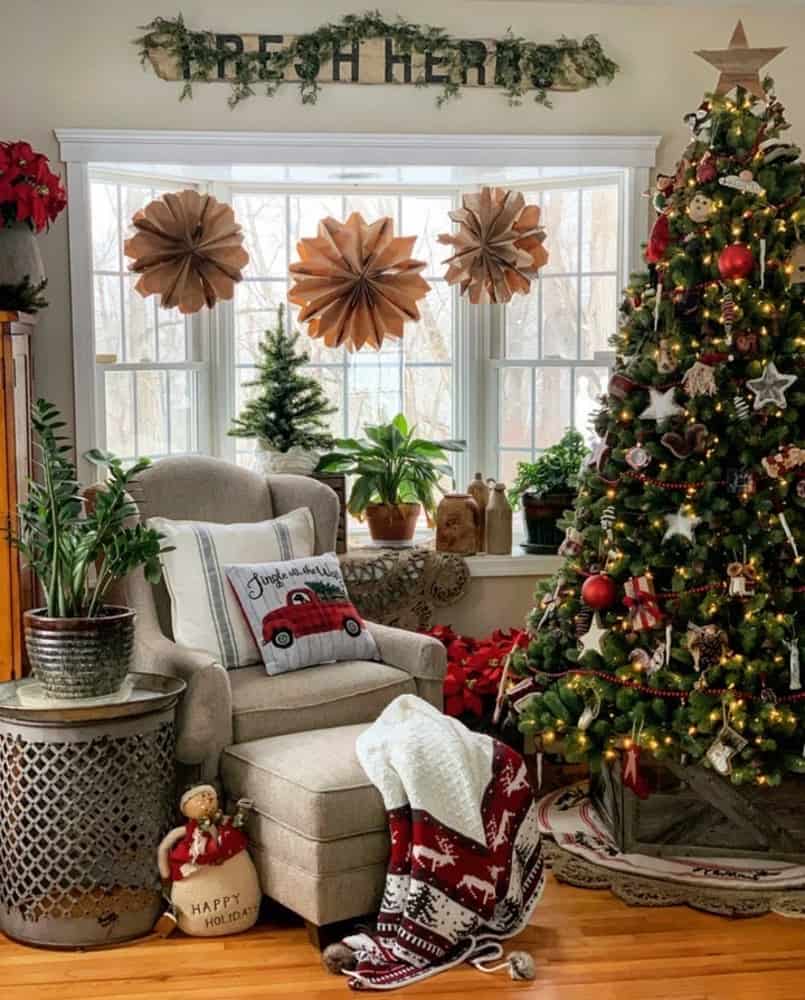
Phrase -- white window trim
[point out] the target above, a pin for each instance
(80, 147)
(197, 328)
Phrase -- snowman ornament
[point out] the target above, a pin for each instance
(700, 207)
(796, 265)
(214, 886)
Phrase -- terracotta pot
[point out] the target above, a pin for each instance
(458, 521)
(80, 657)
(394, 523)
(540, 514)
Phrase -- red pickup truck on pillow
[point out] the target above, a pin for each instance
(306, 613)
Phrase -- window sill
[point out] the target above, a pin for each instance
(519, 563)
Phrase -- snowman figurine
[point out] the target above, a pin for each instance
(214, 885)
(700, 207)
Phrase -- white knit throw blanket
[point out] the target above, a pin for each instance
(466, 865)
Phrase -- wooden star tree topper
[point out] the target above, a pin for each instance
(739, 65)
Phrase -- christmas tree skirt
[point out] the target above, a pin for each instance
(584, 854)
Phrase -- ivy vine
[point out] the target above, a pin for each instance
(520, 65)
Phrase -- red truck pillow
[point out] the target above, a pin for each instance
(300, 614)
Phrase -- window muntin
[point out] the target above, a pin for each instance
(146, 371)
(156, 395)
(553, 361)
(414, 375)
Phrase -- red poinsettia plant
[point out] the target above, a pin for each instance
(29, 190)
(474, 670)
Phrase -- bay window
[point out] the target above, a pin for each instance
(506, 379)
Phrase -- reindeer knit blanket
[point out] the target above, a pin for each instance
(466, 866)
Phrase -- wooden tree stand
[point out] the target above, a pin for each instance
(694, 812)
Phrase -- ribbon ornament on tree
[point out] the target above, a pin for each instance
(641, 600)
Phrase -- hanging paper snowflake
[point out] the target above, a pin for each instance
(498, 246)
(357, 282)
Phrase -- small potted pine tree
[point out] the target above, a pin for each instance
(287, 416)
(79, 646)
(546, 488)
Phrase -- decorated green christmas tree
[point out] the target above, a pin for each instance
(290, 409)
(673, 628)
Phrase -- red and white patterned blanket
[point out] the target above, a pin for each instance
(466, 867)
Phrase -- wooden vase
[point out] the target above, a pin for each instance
(499, 523)
(457, 524)
(479, 491)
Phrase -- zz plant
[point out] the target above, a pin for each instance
(392, 466)
(77, 553)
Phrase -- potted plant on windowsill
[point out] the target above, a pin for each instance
(545, 489)
(78, 646)
(287, 415)
(397, 476)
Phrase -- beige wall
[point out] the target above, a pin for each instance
(69, 63)
(490, 602)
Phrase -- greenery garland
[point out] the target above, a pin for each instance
(520, 64)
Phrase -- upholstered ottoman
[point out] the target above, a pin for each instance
(318, 830)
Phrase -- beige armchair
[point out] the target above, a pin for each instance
(286, 742)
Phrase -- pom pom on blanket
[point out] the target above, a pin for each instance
(339, 957)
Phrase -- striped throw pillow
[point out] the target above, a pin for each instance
(204, 611)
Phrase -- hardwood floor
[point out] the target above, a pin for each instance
(588, 946)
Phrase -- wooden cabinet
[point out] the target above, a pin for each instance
(16, 583)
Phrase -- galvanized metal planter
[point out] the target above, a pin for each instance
(80, 657)
(85, 797)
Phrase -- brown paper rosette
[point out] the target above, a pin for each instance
(498, 246)
(357, 282)
(188, 249)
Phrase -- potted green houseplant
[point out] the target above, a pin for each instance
(397, 475)
(546, 488)
(78, 646)
(287, 415)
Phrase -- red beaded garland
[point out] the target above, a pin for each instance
(668, 485)
(673, 693)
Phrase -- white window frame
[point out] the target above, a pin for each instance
(497, 361)
(633, 154)
(225, 318)
(197, 343)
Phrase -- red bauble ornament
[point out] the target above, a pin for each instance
(599, 591)
(659, 240)
(736, 261)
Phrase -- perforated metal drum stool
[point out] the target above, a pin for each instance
(85, 797)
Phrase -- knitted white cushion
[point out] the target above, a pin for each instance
(204, 610)
(300, 613)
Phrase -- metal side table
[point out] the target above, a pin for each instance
(86, 793)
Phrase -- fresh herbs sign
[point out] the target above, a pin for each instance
(368, 49)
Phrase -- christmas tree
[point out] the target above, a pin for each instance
(290, 408)
(674, 625)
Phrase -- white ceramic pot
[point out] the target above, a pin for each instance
(295, 461)
(19, 255)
